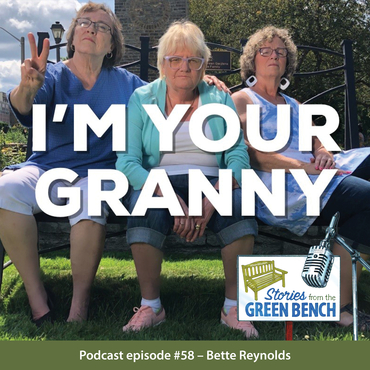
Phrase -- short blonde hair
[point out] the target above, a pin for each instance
(261, 36)
(182, 34)
(116, 33)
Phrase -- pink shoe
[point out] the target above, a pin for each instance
(231, 321)
(144, 317)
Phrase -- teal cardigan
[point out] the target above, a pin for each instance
(143, 137)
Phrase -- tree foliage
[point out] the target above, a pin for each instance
(323, 24)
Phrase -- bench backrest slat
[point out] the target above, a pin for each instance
(258, 268)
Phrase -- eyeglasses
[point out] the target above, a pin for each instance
(194, 63)
(99, 26)
(280, 52)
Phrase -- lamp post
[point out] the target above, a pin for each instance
(21, 41)
(58, 31)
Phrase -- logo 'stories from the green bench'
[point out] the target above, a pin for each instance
(270, 293)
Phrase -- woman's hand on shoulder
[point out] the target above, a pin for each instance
(213, 80)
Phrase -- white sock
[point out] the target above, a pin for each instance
(155, 304)
(228, 304)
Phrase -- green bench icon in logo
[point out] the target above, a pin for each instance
(261, 274)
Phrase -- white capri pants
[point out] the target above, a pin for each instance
(17, 194)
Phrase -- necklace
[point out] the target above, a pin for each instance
(189, 109)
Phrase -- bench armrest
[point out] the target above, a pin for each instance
(280, 270)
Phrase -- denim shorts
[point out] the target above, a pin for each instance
(157, 223)
(352, 199)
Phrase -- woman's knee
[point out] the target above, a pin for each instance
(156, 219)
(17, 195)
(351, 197)
(11, 185)
(363, 170)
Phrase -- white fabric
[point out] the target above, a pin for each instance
(17, 194)
(186, 155)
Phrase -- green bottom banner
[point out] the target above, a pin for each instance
(181, 354)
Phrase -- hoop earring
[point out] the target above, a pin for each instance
(251, 81)
(109, 55)
(284, 83)
(72, 47)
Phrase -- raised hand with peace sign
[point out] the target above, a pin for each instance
(32, 77)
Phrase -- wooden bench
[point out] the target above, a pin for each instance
(261, 274)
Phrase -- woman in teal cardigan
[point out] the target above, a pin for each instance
(142, 133)
(182, 59)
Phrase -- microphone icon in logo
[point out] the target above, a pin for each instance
(320, 259)
(317, 268)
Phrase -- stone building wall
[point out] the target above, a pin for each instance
(147, 18)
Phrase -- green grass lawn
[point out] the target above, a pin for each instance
(192, 294)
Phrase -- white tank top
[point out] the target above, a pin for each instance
(187, 155)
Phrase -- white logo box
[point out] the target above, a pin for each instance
(267, 299)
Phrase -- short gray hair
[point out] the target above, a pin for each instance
(182, 34)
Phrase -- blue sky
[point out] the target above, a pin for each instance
(22, 16)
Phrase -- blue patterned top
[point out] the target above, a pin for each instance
(296, 219)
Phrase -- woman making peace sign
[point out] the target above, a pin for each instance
(87, 77)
